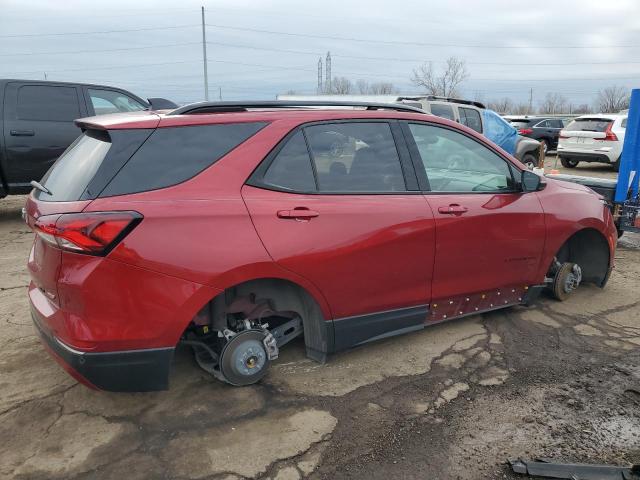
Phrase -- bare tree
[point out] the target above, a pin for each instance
(553, 103)
(521, 109)
(612, 99)
(447, 83)
(383, 88)
(504, 105)
(582, 108)
(341, 86)
(291, 92)
(378, 88)
(362, 86)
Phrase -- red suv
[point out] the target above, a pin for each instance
(235, 228)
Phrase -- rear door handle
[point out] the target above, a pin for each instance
(298, 213)
(453, 209)
(22, 133)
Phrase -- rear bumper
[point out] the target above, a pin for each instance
(124, 371)
(587, 156)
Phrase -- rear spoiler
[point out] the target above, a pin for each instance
(119, 121)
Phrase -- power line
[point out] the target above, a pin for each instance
(61, 34)
(72, 52)
(421, 44)
(412, 60)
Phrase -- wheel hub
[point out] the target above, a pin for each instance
(244, 359)
(573, 279)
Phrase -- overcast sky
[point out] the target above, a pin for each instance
(259, 49)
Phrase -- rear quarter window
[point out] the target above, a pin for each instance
(175, 154)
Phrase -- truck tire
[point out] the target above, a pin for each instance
(530, 160)
(569, 162)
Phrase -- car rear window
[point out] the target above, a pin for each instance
(175, 154)
(74, 169)
(589, 125)
(521, 123)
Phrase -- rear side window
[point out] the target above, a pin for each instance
(175, 154)
(43, 102)
(589, 124)
(444, 111)
(291, 168)
(470, 118)
(355, 157)
(623, 124)
(74, 169)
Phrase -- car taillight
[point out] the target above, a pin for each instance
(525, 131)
(609, 134)
(93, 233)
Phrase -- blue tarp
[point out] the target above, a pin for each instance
(499, 131)
(628, 176)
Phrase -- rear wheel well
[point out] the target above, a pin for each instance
(282, 296)
(590, 250)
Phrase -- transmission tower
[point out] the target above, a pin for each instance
(319, 90)
(327, 82)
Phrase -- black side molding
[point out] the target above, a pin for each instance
(352, 331)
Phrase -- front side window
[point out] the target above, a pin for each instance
(456, 163)
(543, 124)
(109, 101)
(49, 103)
(470, 118)
(355, 157)
(444, 111)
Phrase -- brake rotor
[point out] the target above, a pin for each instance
(244, 359)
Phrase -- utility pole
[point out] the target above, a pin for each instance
(319, 89)
(220, 93)
(45, 75)
(327, 82)
(531, 100)
(204, 58)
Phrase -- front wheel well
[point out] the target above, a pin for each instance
(590, 250)
(282, 296)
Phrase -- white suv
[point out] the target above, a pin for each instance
(593, 138)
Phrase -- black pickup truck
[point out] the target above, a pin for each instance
(36, 123)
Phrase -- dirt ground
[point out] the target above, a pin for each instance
(558, 380)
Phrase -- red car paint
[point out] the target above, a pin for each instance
(361, 254)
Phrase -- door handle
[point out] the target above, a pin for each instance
(22, 133)
(298, 213)
(453, 209)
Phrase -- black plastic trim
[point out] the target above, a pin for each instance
(586, 157)
(532, 294)
(123, 371)
(356, 330)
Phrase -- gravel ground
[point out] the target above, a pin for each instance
(557, 380)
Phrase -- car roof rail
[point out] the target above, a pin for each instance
(455, 100)
(228, 107)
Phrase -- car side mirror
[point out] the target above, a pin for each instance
(531, 182)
